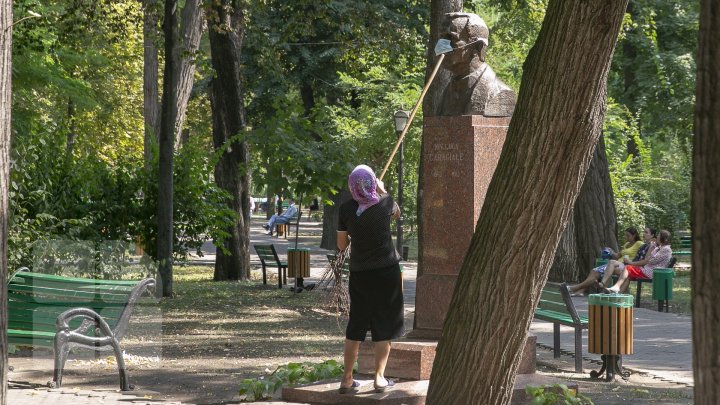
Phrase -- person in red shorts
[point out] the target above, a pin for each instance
(658, 257)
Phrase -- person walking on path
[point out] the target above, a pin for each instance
(283, 218)
(376, 297)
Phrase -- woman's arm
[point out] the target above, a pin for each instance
(343, 240)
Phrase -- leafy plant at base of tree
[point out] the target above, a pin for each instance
(253, 389)
(555, 394)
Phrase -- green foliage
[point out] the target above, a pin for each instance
(58, 196)
(298, 56)
(653, 188)
(555, 394)
(254, 389)
(651, 97)
(200, 209)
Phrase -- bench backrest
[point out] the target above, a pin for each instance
(553, 299)
(35, 300)
(685, 242)
(267, 254)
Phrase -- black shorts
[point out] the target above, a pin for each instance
(376, 304)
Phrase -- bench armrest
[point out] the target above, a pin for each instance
(90, 318)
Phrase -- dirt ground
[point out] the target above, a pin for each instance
(197, 347)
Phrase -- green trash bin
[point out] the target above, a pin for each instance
(662, 287)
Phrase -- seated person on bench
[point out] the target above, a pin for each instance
(283, 218)
(632, 248)
(659, 257)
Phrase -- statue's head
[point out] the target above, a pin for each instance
(468, 35)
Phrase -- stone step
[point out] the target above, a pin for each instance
(404, 392)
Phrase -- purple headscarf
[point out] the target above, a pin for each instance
(362, 184)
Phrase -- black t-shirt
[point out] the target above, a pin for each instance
(372, 246)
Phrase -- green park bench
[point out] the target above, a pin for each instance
(67, 312)
(269, 257)
(684, 248)
(556, 306)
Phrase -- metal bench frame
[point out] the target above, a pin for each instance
(268, 256)
(93, 333)
(578, 322)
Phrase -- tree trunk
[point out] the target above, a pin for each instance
(226, 28)
(438, 9)
(592, 226)
(549, 146)
(331, 217)
(71, 128)
(629, 78)
(167, 142)
(150, 77)
(705, 206)
(191, 31)
(5, 135)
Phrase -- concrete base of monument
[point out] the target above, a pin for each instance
(412, 359)
(404, 392)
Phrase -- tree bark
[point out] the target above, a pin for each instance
(438, 9)
(71, 128)
(226, 28)
(5, 136)
(167, 143)
(592, 226)
(549, 146)
(151, 106)
(191, 30)
(705, 207)
(629, 79)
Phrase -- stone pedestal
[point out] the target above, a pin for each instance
(459, 158)
(413, 359)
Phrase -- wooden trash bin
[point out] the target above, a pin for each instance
(298, 262)
(610, 330)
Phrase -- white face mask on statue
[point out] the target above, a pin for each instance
(443, 46)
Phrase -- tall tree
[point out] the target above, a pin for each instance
(226, 22)
(190, 32)
(168, 116)
(554, 130)
(5, 131)
(150, 77)
(705, 208)
(592, 225)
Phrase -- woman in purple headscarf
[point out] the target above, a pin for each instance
(376, 298)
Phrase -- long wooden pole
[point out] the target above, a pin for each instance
(412, 115)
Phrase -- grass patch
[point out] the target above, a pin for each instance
(681, 299)
(259, 321)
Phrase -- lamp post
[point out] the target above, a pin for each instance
(401, 118)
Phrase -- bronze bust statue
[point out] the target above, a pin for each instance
(473, 89)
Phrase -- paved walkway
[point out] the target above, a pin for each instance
(662, 345)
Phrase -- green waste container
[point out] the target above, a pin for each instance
(662, 287)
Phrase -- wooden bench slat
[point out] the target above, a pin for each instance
(51, 277)
(65, 294)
